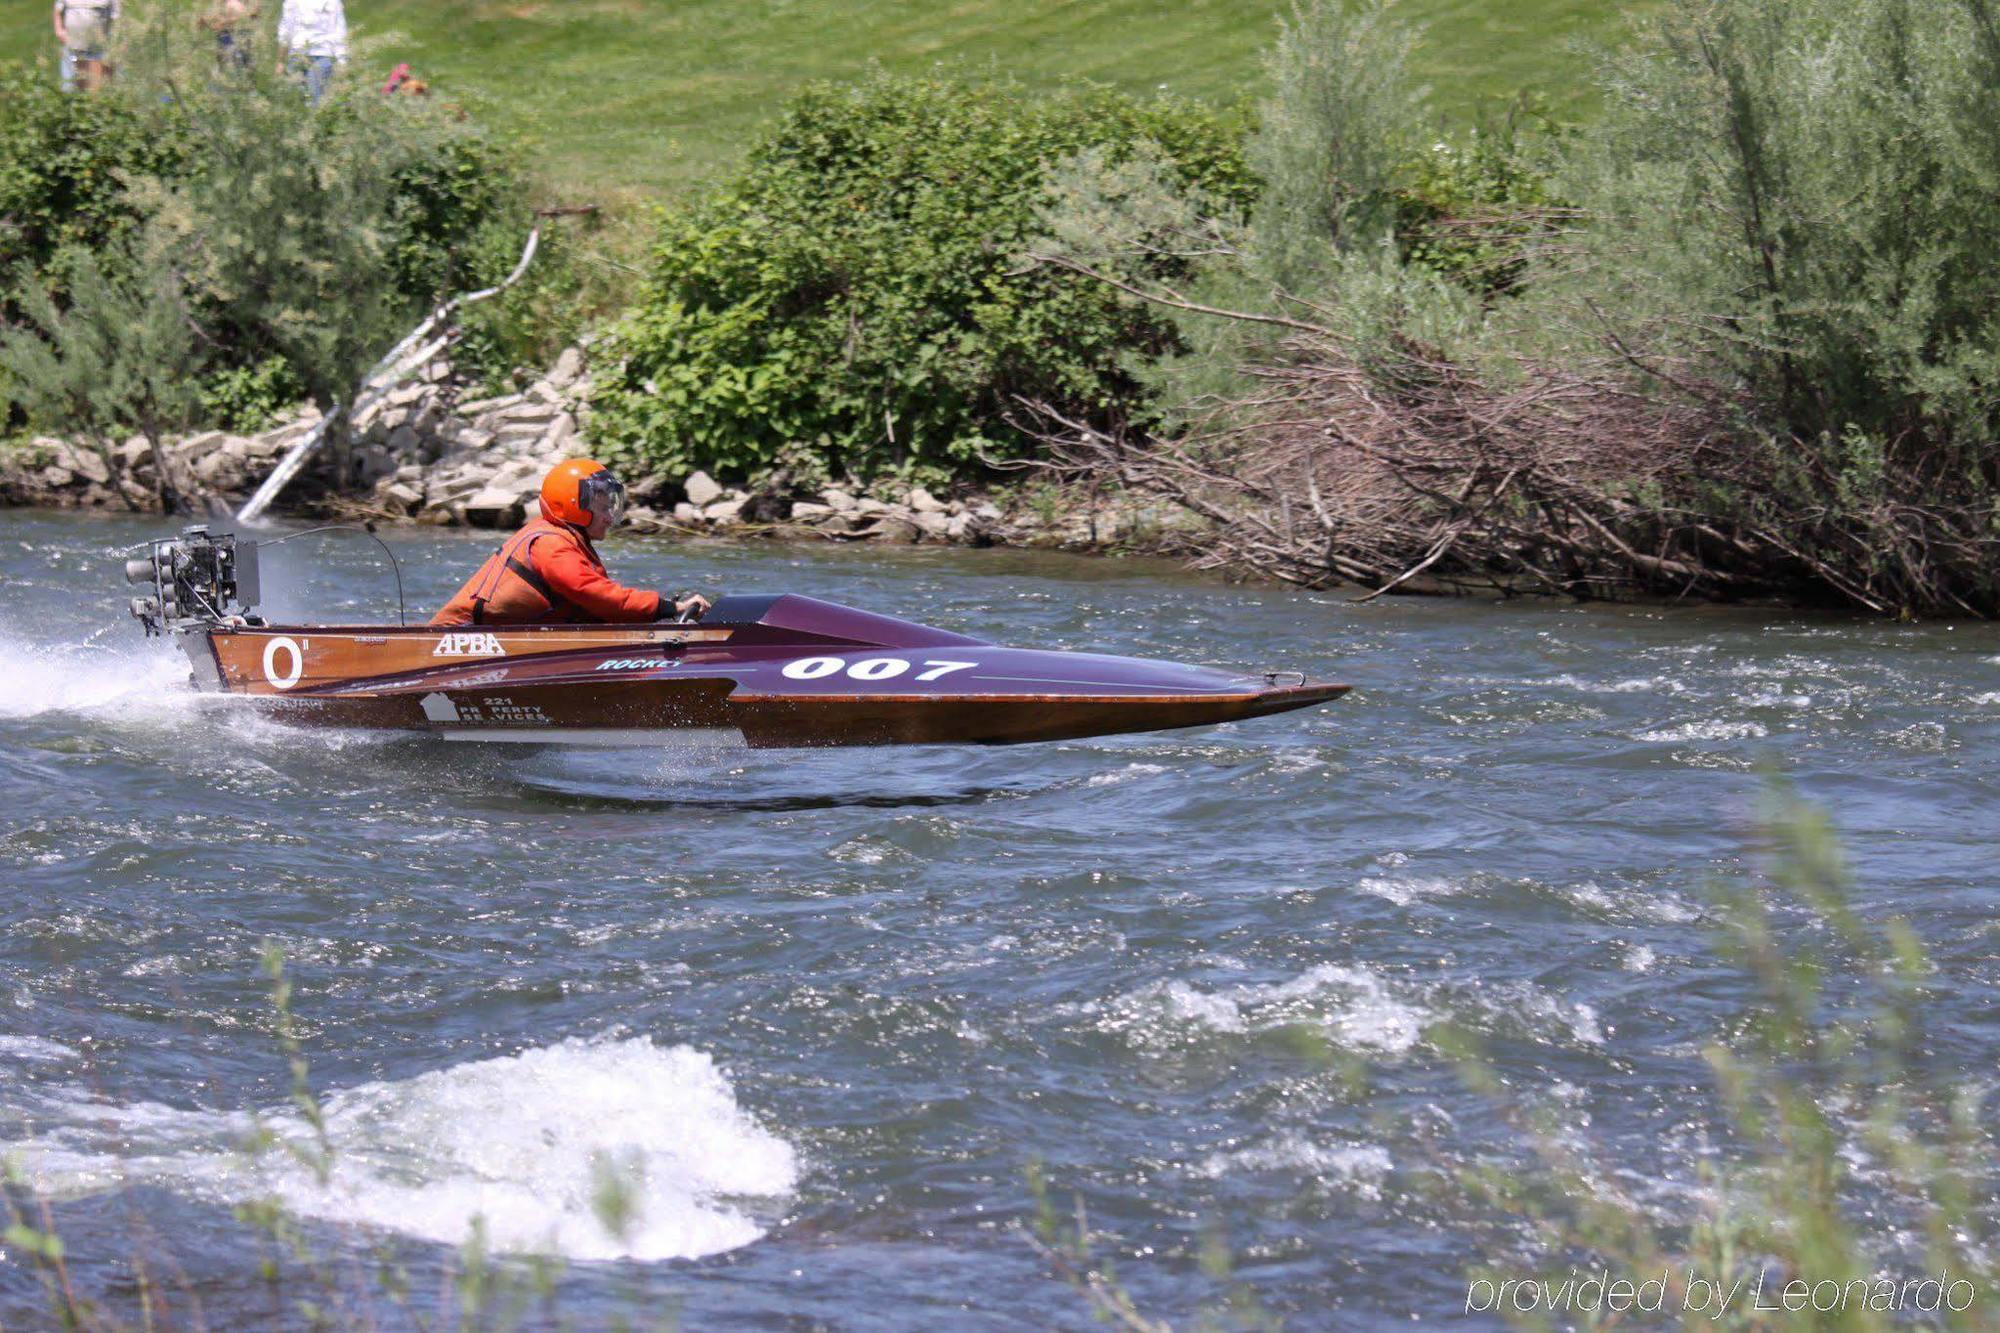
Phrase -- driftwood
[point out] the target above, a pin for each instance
(1398, 469)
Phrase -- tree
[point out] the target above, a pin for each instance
(118, 358)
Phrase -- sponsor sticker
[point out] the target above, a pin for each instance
(469, 645)
(499, 711)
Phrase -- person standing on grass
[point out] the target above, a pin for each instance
(312, 40)
(83, 31)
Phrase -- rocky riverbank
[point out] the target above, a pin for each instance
(428, 454)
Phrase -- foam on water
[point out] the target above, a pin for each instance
(524, 1142)
(1706, 731)
(1405, 891)
(1125, 774)
(39, 1049)
(1640, 685)
(1361, 1166)
(36, 679)
(1649, 904)
(1352, 1005)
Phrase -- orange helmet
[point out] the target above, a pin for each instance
(580, 489)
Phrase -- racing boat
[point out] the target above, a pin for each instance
(781, 670)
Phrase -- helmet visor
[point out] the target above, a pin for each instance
(604, 496)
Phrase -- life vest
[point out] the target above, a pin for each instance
(509, 590)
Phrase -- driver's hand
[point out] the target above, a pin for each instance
(692, 607)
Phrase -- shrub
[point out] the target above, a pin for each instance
(118, 357)
(1794, 197)
(1470, 205)
(302, 242)
(1337, 155)
(858, 287)
(64, 164)
(248, 398)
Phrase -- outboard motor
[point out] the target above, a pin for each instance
(198, 578)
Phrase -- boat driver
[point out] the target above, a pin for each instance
(549, 573)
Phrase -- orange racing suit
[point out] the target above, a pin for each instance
(548, 573)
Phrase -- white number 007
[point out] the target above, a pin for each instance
(868, 668)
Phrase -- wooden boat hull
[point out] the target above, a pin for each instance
(763, 671)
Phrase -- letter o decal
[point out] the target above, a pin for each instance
(811, 668)
(878, 668)
(271, 653)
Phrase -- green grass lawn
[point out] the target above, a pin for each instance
(623, 97)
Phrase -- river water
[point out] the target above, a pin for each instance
(820, 1011)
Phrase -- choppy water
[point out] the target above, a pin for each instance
(824, 1008)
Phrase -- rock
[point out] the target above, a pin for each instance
(86, 462)
(839, 499)
(373, 464)
(517, 474)
(528, 414)
(489, 406)
(472, 440)
(934, 522)
(404, 440)
(869, 505)
(804, 511)
(653, 488)
(546, 393)
(133, 452)
(222, 471)
(568, 366)
(957, 526)
(987, 510)
(447, 488)
(702, 490)
(641, 518)
(55, 478)
(561, 432)
(192, 449)
(519, 436)
(410, 472)
(492, 507)
(285, 436)
(401, 494)
(894, 527)
(723, 511)
(923, 502)
(687, 513)
(408, 396)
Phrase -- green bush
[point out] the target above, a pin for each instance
(248, 398)
(1469, 205)
(1340, 232)
(64, 164)
(303, 242)
(1796, 197)
(858, 289)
